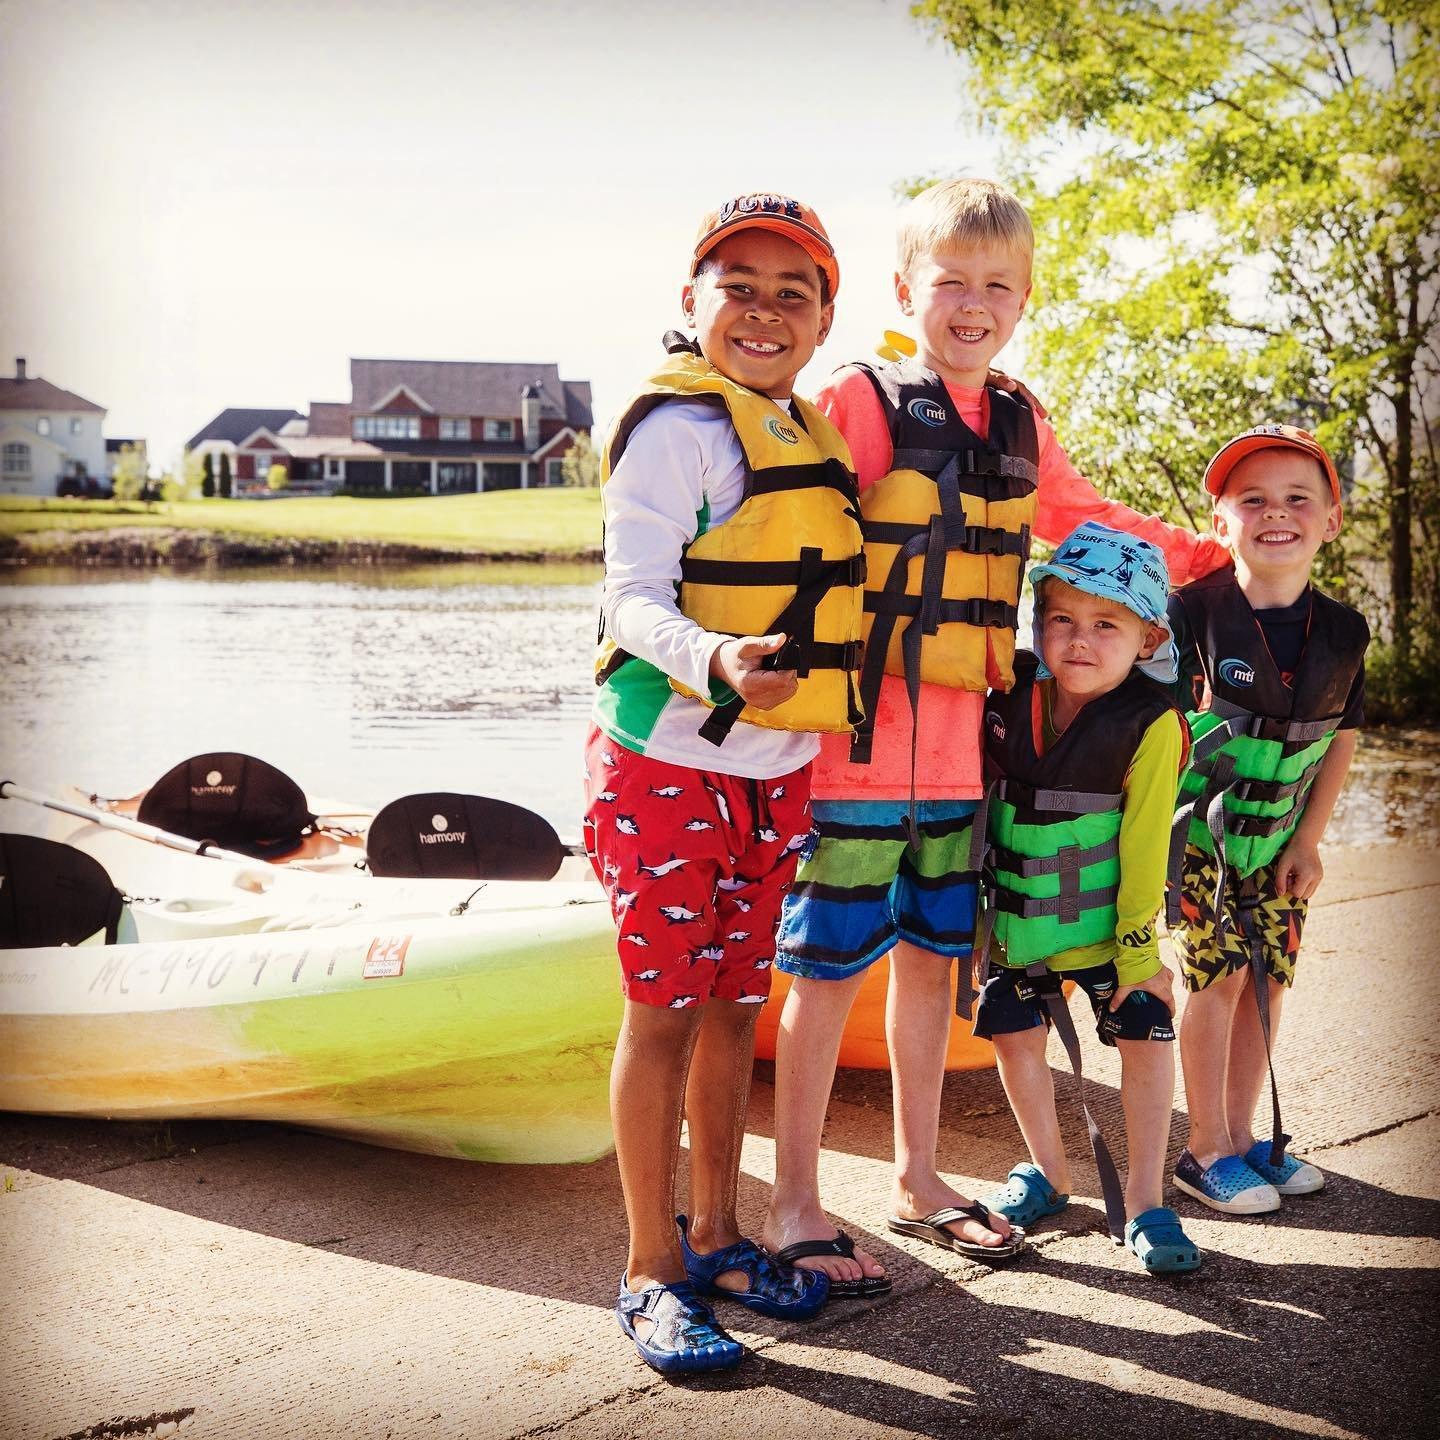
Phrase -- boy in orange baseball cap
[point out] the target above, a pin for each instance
(730, 625)
(1275, 674)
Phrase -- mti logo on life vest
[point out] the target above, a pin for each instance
(782, 432)
(927, 412)
(995, 724)
(1237, 672)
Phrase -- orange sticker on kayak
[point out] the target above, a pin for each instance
(386, 958)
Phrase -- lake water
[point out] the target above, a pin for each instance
(368, 684)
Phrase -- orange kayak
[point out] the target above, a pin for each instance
(863, 1045)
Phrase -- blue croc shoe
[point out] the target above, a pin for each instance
(779, 1291)
(1229, 1185)
(1027, 1197)
(1156, 1240)
(683, 1337)
(1292, 1176)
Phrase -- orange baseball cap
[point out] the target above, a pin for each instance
(1268, 437)
(763, 211)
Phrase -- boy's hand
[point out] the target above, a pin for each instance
(1298, 871)
(1001, 381)
(1161, 985)
(737, 662)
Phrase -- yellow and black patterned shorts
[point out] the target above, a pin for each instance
(1279, 918)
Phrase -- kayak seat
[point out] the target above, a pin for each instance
(445, 836)
(53, 894)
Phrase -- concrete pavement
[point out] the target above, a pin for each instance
(242, 1280)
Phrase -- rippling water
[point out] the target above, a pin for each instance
(368, 684)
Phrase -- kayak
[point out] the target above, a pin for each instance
(484, 1035)
(862, 1046)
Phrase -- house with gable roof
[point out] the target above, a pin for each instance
(416, 426)
(51, 440)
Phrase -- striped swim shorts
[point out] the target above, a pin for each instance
(860, 888)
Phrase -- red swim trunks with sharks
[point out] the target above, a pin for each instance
(696, 865)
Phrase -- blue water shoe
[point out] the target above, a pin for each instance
(1229, 1185)
(1292, 1176)
(1027, 1197)
(779, 1291)
(1156, 1240)
(683, 1337)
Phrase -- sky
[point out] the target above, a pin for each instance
(208, 204)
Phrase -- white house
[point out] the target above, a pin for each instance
(50, 439)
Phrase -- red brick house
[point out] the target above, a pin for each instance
(427, 426)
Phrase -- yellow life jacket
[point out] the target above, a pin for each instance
(947, 535)
(788, 560)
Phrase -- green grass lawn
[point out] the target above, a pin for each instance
(508, 522)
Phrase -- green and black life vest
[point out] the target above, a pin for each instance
(1258, 741)
(947, 535)
(1050, 851)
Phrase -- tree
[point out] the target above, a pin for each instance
(226, 485)
(277, 478)
(131, 474)
(189, 482)
(1235, 214)
(207, 476)
(580, 464)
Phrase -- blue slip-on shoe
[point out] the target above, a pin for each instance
(1292, 1176)
(1229, 1185)
(1027, 1197)
(1156, 1240)
(684, 1338)
(779, 1291)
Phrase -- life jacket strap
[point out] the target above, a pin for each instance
(1028, 866)
(999, 476)
(1247, 904)
(1063, 802)
(829, 474)
(994, 614)
(1067, 906)
(972, 539)
(1240, 721)
(849, 572)
(814, 578)
(975, 971)
(1110, 1187)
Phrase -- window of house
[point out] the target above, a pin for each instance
(16, 460)
(499, 429)
(387, 427)
(332, 468)
(554, 472)
(42, 425)
(457, 476)
(76, 425)
(454, 429)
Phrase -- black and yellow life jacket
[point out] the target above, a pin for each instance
(1047, 839)
(947, 534)
(1259, 741)
(788, 560)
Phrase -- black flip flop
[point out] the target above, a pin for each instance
(932, 1229)
(841, 1247)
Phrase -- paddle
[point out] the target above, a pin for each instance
(444, 835)
(9, 790)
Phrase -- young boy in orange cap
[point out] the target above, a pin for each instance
(1275, 674)
(731, 621)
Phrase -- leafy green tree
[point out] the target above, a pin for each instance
(1235, 213)
(131, 474)
(190, 480)
(227, 486)
(580, 464)
(207, 476)
(277, 478)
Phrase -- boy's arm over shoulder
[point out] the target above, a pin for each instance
(1189, 688)
(1067, 499)
(1150, 788)
(850, 402)
(653, 502)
